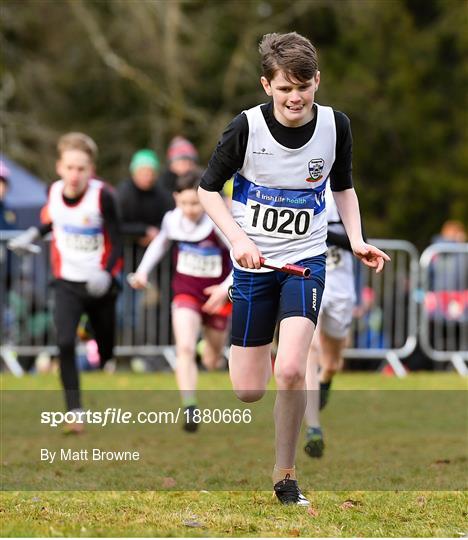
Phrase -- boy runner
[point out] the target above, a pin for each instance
(282, 153)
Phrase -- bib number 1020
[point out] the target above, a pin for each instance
(283, 222)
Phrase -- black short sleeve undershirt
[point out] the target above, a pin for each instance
(229, 154)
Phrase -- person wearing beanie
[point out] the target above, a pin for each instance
(144, 160)
(142, 201)
(182, 158)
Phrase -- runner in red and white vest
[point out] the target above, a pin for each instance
(82, 216)
(81, 231)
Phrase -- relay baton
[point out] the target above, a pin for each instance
(294, 269)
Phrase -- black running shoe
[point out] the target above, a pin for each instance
(324, 393)
(288, 492)
(314, 442)
(190, 425)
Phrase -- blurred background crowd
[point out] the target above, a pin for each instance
(155, 82)
(135, 74)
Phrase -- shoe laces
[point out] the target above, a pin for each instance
(289, 487)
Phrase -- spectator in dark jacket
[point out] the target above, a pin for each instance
(142, 201)
(182, 157)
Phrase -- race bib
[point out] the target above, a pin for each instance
(206, 263)
(83, 242)
(334, 258)
(279, 213)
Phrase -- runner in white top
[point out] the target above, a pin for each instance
(276, 200)
(289, 220)
(81, 213)
(200, 283)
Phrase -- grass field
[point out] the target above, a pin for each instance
(219, 512)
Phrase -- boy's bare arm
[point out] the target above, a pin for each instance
(244, 250)
(348, 207)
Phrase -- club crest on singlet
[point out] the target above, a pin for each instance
(315, 170)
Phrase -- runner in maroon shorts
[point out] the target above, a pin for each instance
(200, 284)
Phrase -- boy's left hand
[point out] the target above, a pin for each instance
(370, 256)
(99, 283)
(217, 298)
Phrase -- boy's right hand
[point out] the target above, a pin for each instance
(23, 243)
(138, 280)
(245, 252)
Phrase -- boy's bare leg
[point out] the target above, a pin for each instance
(250, 371)
(186, 324)
(290, 369)
(214, 344)
(314, 437)
(331, 356)
(312, 383)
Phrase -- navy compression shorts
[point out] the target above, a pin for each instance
(260, 300)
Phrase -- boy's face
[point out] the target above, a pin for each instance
(189, 203)
(75, 168)
(292, 101)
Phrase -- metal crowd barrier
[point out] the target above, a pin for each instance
(26, 297)
(444, 306)
(385, 324)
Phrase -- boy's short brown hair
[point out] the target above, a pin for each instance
(291, 53)
(77, 141)
(189, 180)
